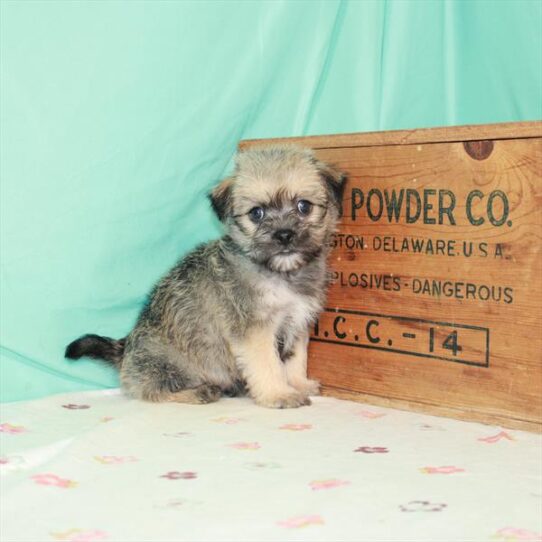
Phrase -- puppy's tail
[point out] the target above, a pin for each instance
(94, 346)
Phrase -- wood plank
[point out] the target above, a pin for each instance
(510, 130)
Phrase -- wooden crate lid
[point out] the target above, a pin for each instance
(473, 132)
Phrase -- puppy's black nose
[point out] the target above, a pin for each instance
(284, 236)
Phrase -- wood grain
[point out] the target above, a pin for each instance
(474, 132)
(436, 302)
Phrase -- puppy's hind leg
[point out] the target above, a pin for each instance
(151, 374)
(200, 395)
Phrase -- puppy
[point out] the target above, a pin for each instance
(233, 315)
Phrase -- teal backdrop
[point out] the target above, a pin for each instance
(117, 117)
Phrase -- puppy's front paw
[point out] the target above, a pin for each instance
(289, 399)
(306, 387)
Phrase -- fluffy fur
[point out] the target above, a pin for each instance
(233, 315)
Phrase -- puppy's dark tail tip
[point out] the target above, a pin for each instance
(97, 347)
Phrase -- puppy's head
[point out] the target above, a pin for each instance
(280, 205)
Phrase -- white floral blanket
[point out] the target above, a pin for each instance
(95, 466)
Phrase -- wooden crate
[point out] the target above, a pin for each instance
(436, 303)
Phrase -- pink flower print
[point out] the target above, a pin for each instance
(512, 534)
(369, 414)
(299, 522)
(114, 459)
(176, 504)
(260, 465)
(422, 506)
(79, 535)
(427, 427)
(180, 434)
(71, 406)
(11, 429)
(372, 450)
(48, 479)
(441, 470)
(11, 460)
(245, 446)
(296, 426)
(227, 420)
(503, 435)
(316, 485)
(176, 475)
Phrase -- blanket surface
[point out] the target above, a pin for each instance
(96, 466)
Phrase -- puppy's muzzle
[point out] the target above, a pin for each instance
(284, 237)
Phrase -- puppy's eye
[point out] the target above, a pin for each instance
(304, 207)
(256, 214)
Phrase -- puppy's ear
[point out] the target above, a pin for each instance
(335, 182)
(220, 197)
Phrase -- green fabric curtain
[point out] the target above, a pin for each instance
(118, 116)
